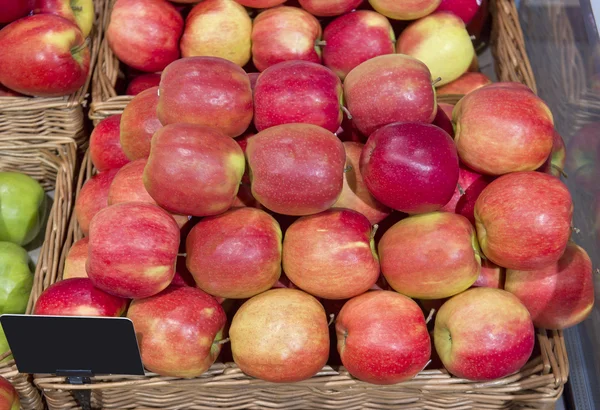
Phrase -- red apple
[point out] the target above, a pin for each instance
(555, 164)
(491, 276)
(132, 250)
(253, 78)
(329, 7)
(128, 186)
(182, 277)
(55, 63)
(483, 334)
(7, 92)
(354, 38)
(405, 10)
(206, 91)
(443, 121)
(142, 83)
(144, 34)
(76, 260)
(465, 84)
(296, 169)
(9, 398)
(236, 254)
(355, 194)
(331, 254)
(79, 12)
(92, 198)
(469, 187)
(387, 89)
(482, 118)
(377, 322)
(179, 331)
(421, 156)
(407, 255)
(13, 10)
(218, 28)
(560, 295)
(523, 220)
(298, 92)
(193, 170)
(139, 122)
(78, 297)
(447, 108)
(285, 33)
(105, 144)
(280, 336)
(260, 4)
(465, 9)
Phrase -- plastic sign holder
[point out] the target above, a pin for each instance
(77, 347)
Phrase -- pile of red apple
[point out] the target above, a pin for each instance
(193, 208)
(43, 46)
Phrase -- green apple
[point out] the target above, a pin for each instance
(16, 278)
(21, 201)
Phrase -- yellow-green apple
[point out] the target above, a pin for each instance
(560, 295)
(78, 297)
(208, 91)
(354, 38)
(430, 256)
(22, 201)
(410, 167)
(326, 8)
(280, 336)
(465, 9)
(387, 89)
(236, 254)
(491, 275)
(55, 63)
(9, 398)
(583, 156)
(144, 34)
(128, 186)
(298, 92)
(285, 33)
(142, 82)
(193, 170)
(523, 220)
(331, 254)
(405, 10)
(92, 198)
(132, 249)
(260, 4)
(483, 334)
(555, 164)
(465, 84)
(296, 169)
(17, 278)
(376, 322)
(76, 260)
(469, 187)
(442, 42)
(79, 12)
(180, 331)
(139, 122)
(355, 194)
(218, 28)
(105, 144)
(443, 121)
(15, 9)
(502, 128)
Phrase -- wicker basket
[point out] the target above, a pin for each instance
(56, 116)
(50, 161)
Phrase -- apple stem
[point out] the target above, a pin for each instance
(473, 37)
(597, 271)
(348, 168)
(347, 112)
(426, 364)
(437, 80)
(331, 319)
(82, 46)
(430, 316)
(222, 341)
(321, 43)
(575, 229)
(560, 171)
(374, 231)
(76, 8)
(182, 254)
(461, 191)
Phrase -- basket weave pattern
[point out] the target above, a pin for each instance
(51, 161)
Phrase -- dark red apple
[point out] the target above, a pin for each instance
(14, 9)
(142, 82)
(465, 9)
(470, 184)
